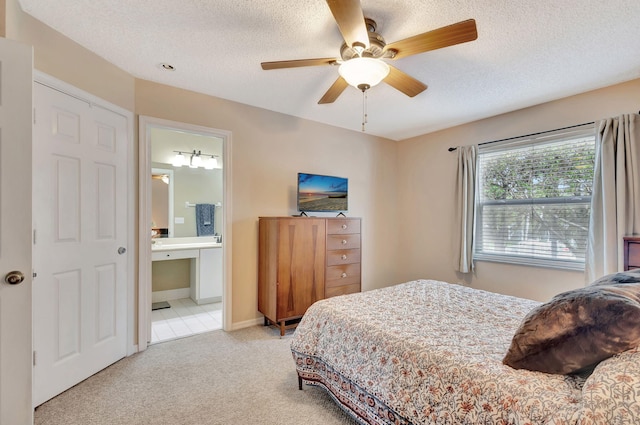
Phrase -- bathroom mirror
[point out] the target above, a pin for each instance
(161, 203)
(187, 185)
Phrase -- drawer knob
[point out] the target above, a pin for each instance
(344, 242)
(168, 255)
(344, 256)
(344, 226)
(343, 275)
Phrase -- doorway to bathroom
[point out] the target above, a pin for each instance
(185, 236)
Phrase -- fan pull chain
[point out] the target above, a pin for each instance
(364, 108)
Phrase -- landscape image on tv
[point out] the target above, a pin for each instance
(322, 193)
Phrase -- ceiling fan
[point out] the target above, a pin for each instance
(365, 48)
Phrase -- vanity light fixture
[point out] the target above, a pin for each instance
(178, 160)
(196, 159)
(211, 163)
(163, 177)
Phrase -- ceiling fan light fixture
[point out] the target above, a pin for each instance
(359, 72)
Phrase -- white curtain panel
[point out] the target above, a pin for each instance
(615, 200)
(465, 208)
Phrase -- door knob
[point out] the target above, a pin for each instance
(122, 250)
(13, 278)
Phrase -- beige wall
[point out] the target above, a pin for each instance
(198, 186)
(66, 60)
(195, 186)
(426, 182)
(169, 275)
(268, 150)
(159, 204)
(3, 19)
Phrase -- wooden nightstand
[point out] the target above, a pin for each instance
(631, 252)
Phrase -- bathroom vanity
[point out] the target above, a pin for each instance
(205, 255)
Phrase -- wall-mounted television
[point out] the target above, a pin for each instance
(318, 193)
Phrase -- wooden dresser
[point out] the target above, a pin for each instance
(302, 260)
(631, 252)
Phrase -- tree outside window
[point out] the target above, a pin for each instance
(533, 201)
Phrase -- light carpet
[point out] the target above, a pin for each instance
(241, 377)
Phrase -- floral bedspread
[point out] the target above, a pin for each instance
(429, 352)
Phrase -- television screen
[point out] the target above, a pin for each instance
(322, 193)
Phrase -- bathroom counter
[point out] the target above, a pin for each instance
(205, 283)
(174, 244)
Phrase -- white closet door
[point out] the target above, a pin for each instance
(80, 213)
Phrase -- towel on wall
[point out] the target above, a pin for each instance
(205, 224)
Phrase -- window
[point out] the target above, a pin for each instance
(533, 199)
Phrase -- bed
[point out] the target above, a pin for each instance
(430, 352)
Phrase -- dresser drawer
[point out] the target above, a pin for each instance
(343, 241)
(343, 226)
(344, 274)
(634, 254)
(343, 256)
(342, 290)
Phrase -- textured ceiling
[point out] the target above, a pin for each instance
(527, 52)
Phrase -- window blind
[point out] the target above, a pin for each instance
(533, 198)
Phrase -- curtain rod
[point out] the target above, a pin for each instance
(533, 134)
(529, 135)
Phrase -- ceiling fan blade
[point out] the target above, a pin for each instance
(350, 19)
(334, 91)
(297, 63)
(404, 82)
(442, 37)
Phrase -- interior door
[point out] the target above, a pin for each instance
(80, 223)
(15, 232)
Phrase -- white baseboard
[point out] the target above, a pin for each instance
(247, 324)
(208, 300)
(171, 294)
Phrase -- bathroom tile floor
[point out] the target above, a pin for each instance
(184, 318)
